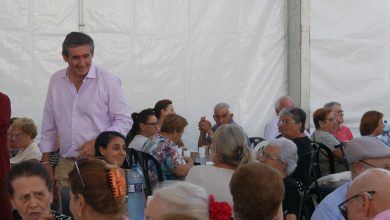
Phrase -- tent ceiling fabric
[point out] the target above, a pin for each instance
(349, 56)
(197, 53)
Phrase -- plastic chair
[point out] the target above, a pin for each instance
(145, 159)
(131, 158)
(255, 140)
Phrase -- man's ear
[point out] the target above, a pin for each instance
(366, 205)
(65, 58)
(12, 203)
(321, 124)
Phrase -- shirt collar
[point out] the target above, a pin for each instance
(90, 75)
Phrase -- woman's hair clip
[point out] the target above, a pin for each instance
(117, 182)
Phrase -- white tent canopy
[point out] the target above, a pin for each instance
(199, 53)
(196, 53)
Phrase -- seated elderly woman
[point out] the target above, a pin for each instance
(325, 124)
(164, 148)
(23, 133)
(257, 191)
(229, 149)
(93, 194)
(371, 124)
(182, 200)
(144, 126)
(109, 146)
(292, 126)
(281, 154)
(31, 191)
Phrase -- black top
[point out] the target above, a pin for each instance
(291, 196)
(302, 170)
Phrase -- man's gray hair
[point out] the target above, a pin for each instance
(288, 153)
(221, 105)
(280, 99)
(331, 104)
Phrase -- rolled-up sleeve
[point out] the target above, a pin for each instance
(118, 109)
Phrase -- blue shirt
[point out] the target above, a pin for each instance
(328, 209)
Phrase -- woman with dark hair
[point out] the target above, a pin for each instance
(31, 191)
(371, 123)
(164, 148)
(292, 126)
(97, 191)
(144, 126)
(163, 108)
(109, 146)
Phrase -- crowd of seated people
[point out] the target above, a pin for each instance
(160, 134)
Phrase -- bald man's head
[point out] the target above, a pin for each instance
(369, 194)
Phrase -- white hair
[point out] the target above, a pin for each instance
(185, 198)
(221, 105)
(280, 99)
(287, 154)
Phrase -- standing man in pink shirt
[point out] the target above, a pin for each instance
(82, 101)
(343, 133)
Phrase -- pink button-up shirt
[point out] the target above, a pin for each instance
(77, 117)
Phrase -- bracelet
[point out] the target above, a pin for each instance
(45, 162)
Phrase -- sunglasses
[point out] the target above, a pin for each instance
(343, 208)
(78, 163)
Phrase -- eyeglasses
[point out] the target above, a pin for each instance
(331, 119)
(342, 207)
(14, 136)
(267, 155)
(285, 122)
(368, 164)
(76, 164)
(154, 124)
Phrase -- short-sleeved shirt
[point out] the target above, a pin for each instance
(165, 151)
(343, 133)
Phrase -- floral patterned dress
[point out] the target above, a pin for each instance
(165, 151)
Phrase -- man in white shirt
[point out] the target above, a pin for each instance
(271, 130)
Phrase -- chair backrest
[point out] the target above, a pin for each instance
(324, 152)
(145, 160)
(253, 141)
(131, 158)
(65, 199)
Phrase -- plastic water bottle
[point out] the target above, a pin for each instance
(136, 196)
(385, 134)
